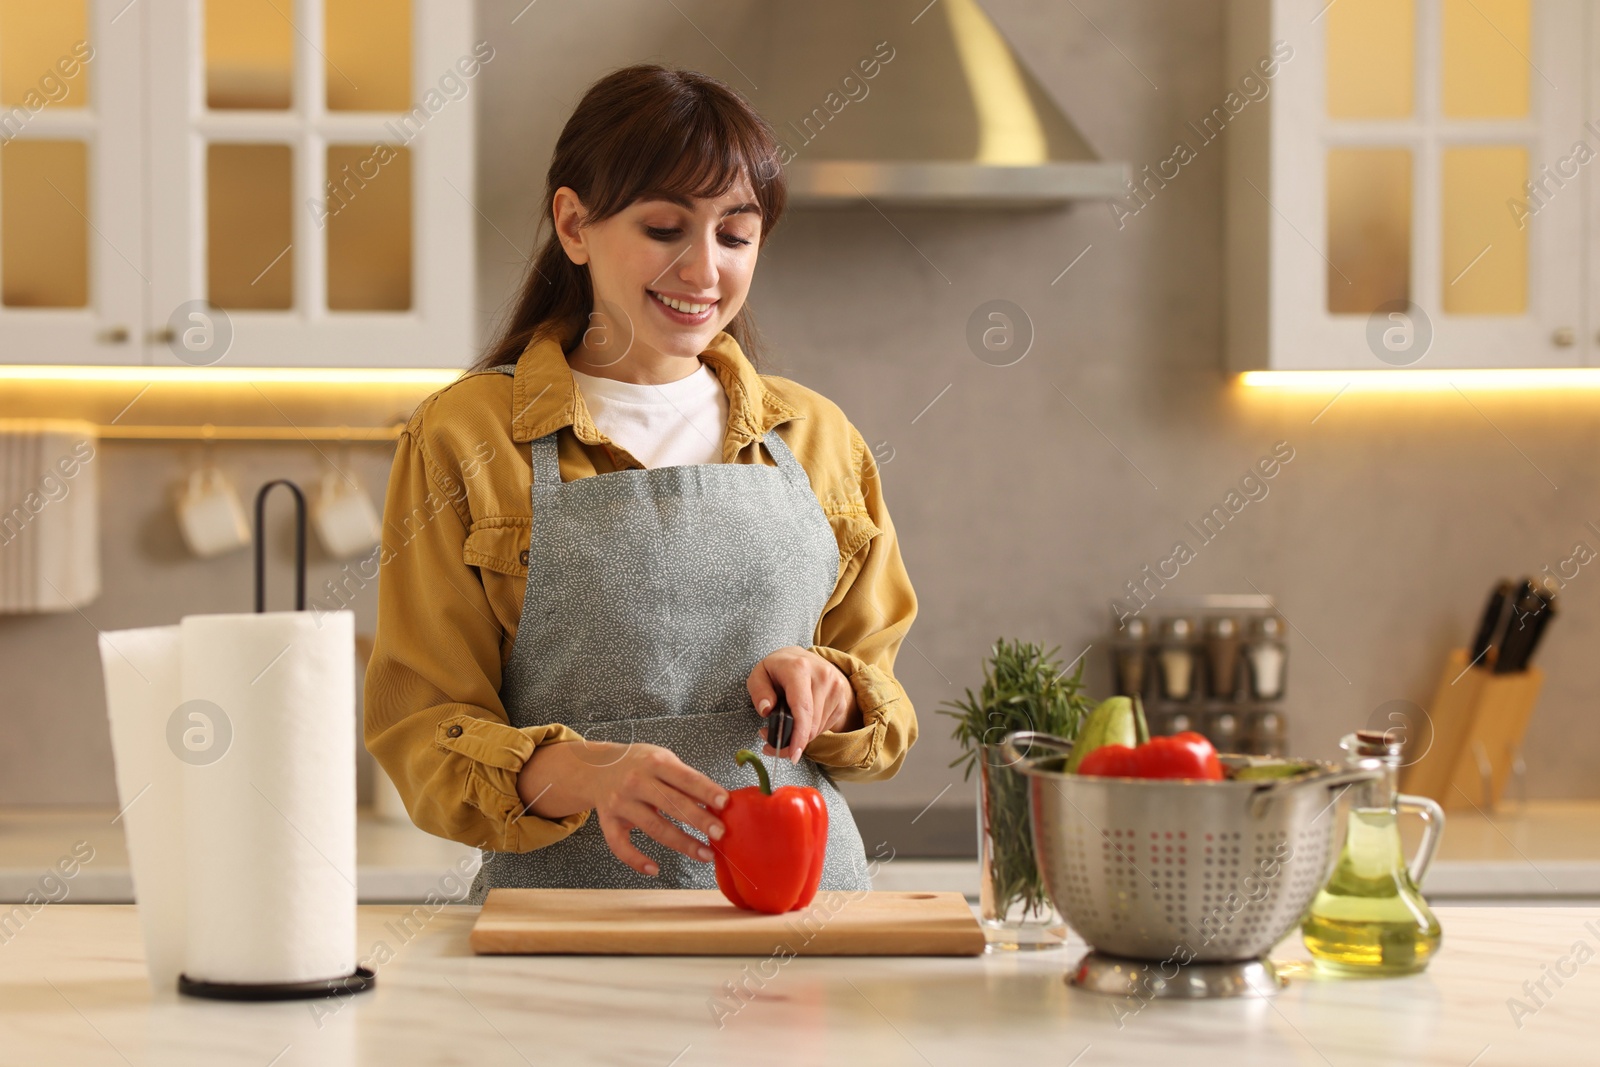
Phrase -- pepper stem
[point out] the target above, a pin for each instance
(1141, 725)
(754, 759)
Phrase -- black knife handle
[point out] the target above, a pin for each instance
(780, 725)
(1536, 623)
(1527, 612)
(1491, 626)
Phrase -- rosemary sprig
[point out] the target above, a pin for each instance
(1024, 688)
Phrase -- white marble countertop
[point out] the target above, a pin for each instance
(74, 992)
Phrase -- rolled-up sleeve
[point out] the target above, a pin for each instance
(433, 717)
(871, 611)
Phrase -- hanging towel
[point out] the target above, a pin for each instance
(49, 515)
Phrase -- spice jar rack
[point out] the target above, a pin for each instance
(1213, 664)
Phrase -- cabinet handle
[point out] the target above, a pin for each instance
(163, 336)
(115, 335)
(1564, 337)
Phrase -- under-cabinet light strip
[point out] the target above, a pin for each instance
(274, 375)
(1414, 381)
(208, 433)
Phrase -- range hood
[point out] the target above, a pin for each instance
(950, 115)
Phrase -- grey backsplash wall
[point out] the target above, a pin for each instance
(1025, 496)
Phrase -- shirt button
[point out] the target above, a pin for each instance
(522, 557)
(454, 730)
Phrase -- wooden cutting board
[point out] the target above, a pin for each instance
(701, 922)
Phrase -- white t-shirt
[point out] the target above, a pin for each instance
(666, 425)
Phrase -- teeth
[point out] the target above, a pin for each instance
(679, 305)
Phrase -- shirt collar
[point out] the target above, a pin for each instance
(545, 397)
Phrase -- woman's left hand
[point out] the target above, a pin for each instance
(819, 695)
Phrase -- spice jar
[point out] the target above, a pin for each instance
(1222, 656)
(1265, 733)
(1266, 653)
(1168, 719)
(1177, 659)
(1221, 727)
(1130, 655)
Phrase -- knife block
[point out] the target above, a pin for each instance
(1478, 719)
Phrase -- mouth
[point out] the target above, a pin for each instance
(684, 312)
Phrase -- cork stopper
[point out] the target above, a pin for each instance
(1373, 743)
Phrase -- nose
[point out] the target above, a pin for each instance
(698, 266)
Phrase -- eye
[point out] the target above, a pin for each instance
(671, 232)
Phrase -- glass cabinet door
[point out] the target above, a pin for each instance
(311, 181)
(72, 270)
(1429, 218)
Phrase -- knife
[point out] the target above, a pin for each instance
(1539, 624)
(1528, 611)
(1532, 615)
(780, 725)
(1489, 628)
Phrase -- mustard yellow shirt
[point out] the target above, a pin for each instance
(454, 565)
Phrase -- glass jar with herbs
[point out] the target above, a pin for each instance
(1024, 688)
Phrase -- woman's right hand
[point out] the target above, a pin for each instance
(628, 785)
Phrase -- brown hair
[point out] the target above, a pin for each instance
(641, 131)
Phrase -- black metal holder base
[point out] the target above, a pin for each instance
(362, 980)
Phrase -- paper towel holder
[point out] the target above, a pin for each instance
(363, 978)
(299, 544)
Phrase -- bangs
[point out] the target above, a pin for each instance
(706, 168)
(698, 147)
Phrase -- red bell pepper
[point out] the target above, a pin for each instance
(770, 855)
(1185, 755)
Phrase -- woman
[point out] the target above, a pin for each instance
(610, 547)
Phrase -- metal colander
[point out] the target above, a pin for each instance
(1181, 870)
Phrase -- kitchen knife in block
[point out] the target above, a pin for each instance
(701, 922)
(1472, 705)
(1493, 622)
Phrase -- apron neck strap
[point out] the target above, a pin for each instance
(547, 465)
(780, 453)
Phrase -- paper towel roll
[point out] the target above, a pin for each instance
(270, 823)
(141, 677)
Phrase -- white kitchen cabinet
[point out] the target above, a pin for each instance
(72, 256)
(288, 180)
(1401, 191)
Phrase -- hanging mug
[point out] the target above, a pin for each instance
(346, 522)
(210, 515)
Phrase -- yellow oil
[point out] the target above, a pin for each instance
(1370, 919)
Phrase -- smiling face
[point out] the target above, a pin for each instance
(667, 275)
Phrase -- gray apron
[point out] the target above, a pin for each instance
(651, 596)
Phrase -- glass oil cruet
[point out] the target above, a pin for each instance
(1370, 918)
